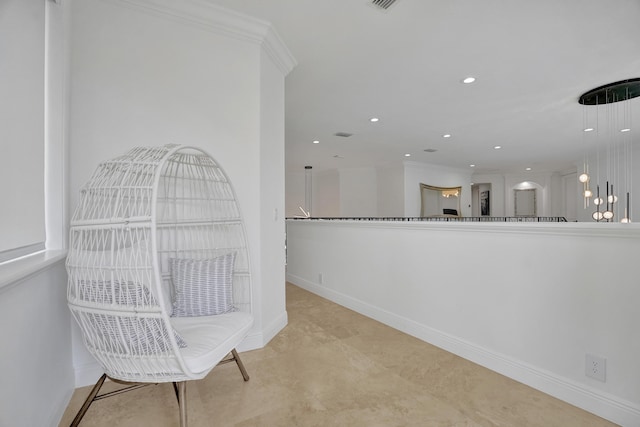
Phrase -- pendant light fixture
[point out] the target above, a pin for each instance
(607, 133)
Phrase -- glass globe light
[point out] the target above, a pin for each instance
(588, 193)
(597, 215)
(583, 178)
(625, 220)
(612, 198)
(607, 215)
(598, 201)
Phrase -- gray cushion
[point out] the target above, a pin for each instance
(203, 287)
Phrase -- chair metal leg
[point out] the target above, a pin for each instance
(175, 388)
(236, 357)
(182, 402)
(93, 395)
(90, 399)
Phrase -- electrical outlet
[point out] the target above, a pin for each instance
(596, 367)
(320, 278)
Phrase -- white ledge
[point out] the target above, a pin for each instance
(584, 229)
(13, 273)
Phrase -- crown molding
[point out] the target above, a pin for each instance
(277, 50)
(207, 16)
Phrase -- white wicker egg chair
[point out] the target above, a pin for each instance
(152, 279)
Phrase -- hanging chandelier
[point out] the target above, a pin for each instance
(607, 136)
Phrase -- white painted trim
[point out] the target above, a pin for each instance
(213, 18)
(577, 229)
(258, 340)
(602, 404)
(275, 327)
(15, 272)
(277, 50)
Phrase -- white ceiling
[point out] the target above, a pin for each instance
(532, 60)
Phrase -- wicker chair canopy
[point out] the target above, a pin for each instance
(137, 214)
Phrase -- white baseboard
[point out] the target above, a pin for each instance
(604, 405)
(259, 339)
(275, 327)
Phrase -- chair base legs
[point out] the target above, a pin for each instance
(93, 396)
(90, 399)
(235, 357)
(182, 401)
(179, 387)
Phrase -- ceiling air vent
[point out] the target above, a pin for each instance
(430, 150)
(383, 4)
(343, 134)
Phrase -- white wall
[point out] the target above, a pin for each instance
(439, 176)
(358, 192)
(22, 125)
(326, 194)
(294, 190)
(36, 369)
(271, 293)
(391, 195)
(336, 192)
(388, 190)
(570, 190)
(36, 372)
(555, 195)
(543, 184)
(154, 75)
(526, 300)
(497, 195)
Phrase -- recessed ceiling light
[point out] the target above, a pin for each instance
(625, 130)
(588, 130)
(446, 135)
(472, 166)
(469, 80)
(316, 142)
(497, 147)
(407, 155)
(373, 119)
(528, 169)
